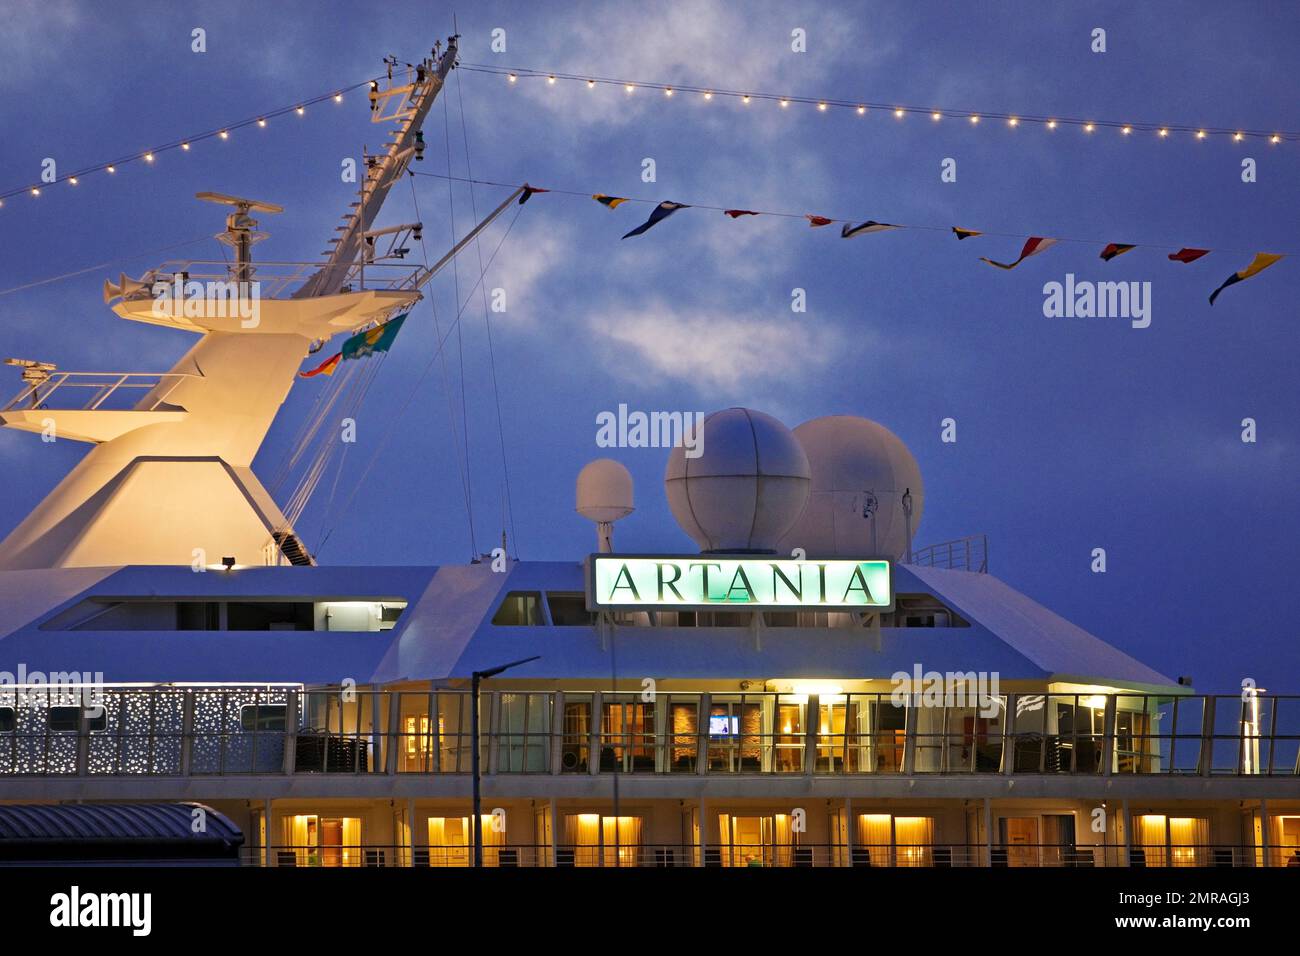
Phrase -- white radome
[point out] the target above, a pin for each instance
(604, 491)
(747, 487)
(857, 466)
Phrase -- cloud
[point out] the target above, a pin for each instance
(718, 353)
(680, 44)
(36, 36)
(525, 263)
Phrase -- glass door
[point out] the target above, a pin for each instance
(1020, 840)
(736, 735)
(627, 736)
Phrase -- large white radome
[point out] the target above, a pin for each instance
(746, 489)
(857, 465)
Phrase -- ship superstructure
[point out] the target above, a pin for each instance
(832, 695)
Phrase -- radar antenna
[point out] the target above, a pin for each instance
(35, 374)
(241, 229)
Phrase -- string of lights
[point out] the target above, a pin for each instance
(588, 194)
(899, 111)
(184, 143)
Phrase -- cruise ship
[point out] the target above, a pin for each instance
(809, 688)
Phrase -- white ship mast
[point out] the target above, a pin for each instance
(170, 478)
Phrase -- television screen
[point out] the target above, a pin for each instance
(720, 725)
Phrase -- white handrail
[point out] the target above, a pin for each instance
(106, 383)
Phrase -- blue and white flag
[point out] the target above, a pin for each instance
(661, 212)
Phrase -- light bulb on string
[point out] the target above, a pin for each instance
(822, 107)
(1051, 124)
(1200, 134)
(185, 146)
(261, 122)
(148, 157)
(974, 119)
(550, 80)
(1013, 122)
(1088, 127)
(1126, 130)
(224, 134)
(1164, 132)
(862, 111)
(72, 180)
(899, 112)
(936, 116)
(591, 84)
(111, 169)
(300, 111)
(338, 97)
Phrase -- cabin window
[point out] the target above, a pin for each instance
(270, 616)
(198, 616)
(68, 720)
(8, 720)
(520, 608)
(263, 717)
(922, 610)
(569, 609)
(348, 614)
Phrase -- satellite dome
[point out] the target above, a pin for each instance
(604, 491)
(860, 472)
(604, 495)
(746, 487)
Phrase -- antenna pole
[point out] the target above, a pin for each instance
(424, 277)
(239, 225)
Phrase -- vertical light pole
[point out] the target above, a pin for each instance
(907, 517)
(475, 679)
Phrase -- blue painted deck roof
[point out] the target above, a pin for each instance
(446, 631)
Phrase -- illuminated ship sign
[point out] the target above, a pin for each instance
(702, 581)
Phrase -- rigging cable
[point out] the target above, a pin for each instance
(446, 380)
(102, 265)
(460, 342)
(355, 388)
(392, 424)
(588, 194)
(487, 323)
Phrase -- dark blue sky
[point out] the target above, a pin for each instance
(1072, 433)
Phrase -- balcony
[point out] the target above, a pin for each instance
(287, 731)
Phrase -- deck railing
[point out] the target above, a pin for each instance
(970, 553)
(99, 390)
(278, 279)
(187, 731)
(802, 854)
